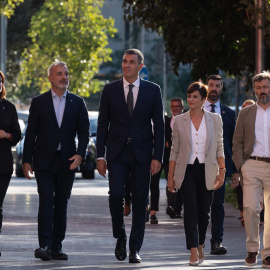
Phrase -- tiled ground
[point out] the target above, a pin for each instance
(89, 242)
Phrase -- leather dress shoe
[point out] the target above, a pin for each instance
(43, 254)
(59, 255)
(217, 248)
(170, 211)
(120, 249)
(266, 262)
(134, 257)
(153, 219)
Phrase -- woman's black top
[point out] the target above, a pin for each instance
(9, 123)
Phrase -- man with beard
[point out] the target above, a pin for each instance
(251, 155)
(212, 104)
(56, 118)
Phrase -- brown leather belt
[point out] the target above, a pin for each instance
(265, 159)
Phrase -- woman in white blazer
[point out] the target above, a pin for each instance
(197, 165)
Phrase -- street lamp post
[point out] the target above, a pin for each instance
(259, 66)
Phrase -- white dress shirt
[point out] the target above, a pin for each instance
(172, 121)
(59, 108)
(207, 106)
(261, 147)
(198, 142)
(135, 90)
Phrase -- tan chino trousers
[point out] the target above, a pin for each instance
(256, 179)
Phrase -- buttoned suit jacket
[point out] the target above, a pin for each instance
(181, 146)
(43, 133)
(244, 136)
(115, 125)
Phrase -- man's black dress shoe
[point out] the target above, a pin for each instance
(153, 219)
(43, 254)
(120, 249)
(59, 255)
(217, 248)
(134, 257)
(170, 211)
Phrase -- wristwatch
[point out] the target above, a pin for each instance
(222, 169)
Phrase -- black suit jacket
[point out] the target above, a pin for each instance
(115, 125)
(8, 123)
(228, 119)
(43, 133)
(168, 138)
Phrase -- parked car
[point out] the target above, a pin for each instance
(87, 167)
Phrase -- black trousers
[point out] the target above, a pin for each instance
(218, 214)
(174, 200)
(154, 191)
(197, 203)
(128, 192)
(4, 183)
(54, 189)
(120, 169)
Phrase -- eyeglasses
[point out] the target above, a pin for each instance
(176, 106)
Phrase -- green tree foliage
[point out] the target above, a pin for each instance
(17, 41)
(72, 31)
(7, 7)
(209, 34)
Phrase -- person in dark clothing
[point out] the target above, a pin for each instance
(174, 200)
(56, 118)
(10, 134)
(127, 146)
(212, 104)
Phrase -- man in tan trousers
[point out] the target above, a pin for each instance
(251, 156)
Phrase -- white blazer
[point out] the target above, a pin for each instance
(181, 147)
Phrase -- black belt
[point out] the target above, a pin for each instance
(265, 159)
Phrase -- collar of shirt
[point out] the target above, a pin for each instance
(260, 108)
(135, 90)
(207, 106)
(136, 83)
(53, 94)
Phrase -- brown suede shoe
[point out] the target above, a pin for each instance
(266, 262)
(251, 258)
(127, 210)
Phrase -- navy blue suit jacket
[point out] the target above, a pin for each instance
(228, 119)
(115, 125)
(43, 133)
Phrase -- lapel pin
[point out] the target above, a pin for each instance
(223, 112)
(3, 108)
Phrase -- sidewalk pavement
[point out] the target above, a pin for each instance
(89, 242)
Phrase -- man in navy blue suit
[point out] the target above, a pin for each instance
(128, 146)
(212, 104)
(55, 118)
